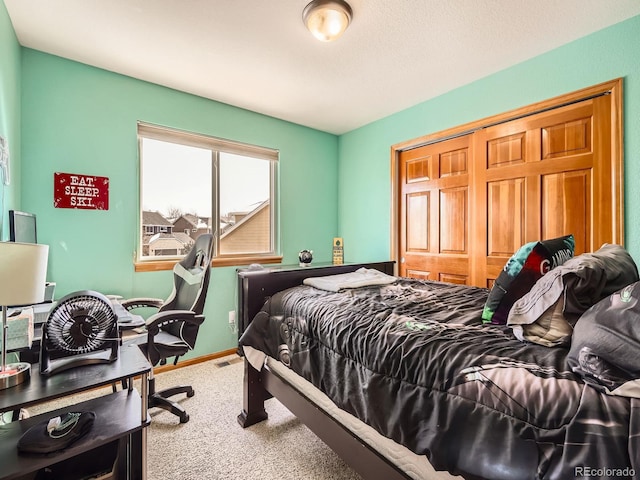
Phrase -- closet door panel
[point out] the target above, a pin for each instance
(566, 206)
(454, 219)
(538, 175)
(578, 189)
(434, 217)
(567, 133)
(505, 216)
(507, 150)
(504, 191)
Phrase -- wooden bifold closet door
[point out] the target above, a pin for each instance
(464, 205)
(435, 225)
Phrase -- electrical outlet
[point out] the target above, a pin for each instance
(232, 317)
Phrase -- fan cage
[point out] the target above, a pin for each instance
(82, 323)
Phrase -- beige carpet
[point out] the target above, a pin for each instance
(212, 445)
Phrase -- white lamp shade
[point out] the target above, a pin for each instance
(23, 273)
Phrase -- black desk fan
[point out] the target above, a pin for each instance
(82, 329)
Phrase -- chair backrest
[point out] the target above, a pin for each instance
(190, 285)
(191, 277)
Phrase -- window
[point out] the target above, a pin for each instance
(192, 184)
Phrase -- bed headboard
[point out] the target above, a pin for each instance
(254, 286)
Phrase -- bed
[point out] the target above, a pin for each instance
(533, 381)
(393, 374)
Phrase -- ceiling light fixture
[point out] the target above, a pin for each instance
(327, 19)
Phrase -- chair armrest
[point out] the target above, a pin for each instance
(162, 319)
(142, 302)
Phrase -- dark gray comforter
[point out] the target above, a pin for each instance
(414, 361)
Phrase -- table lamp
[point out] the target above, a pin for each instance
(23, 271)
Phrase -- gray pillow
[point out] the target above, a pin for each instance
(604, 349)
(550, 330)
(581, 282)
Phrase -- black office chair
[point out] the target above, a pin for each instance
(172, 331)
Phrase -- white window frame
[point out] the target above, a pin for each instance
(216, 145)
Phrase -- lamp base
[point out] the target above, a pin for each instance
(13, 374)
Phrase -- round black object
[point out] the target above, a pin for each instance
(305, 256)
(40, 439)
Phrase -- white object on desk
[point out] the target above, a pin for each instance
(40, 311)
(49, 291)
(20, 329)
(23, 271)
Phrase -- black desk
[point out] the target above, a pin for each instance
(121, 417)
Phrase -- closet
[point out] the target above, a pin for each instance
(465, 199)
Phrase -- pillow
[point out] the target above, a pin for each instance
(550, 330)
(578, 284)
(521, 272)
(605, 349)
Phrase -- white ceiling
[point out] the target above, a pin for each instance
(257, 54)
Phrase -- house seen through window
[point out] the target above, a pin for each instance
(192, 184)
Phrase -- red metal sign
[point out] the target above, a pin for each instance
(88, 192)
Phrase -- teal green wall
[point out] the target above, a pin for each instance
(80, 119)
(10, 76)
(365, 161)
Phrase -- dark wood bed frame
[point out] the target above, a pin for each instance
(254, 286)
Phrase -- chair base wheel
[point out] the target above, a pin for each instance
(161, 400)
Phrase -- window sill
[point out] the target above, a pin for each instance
(230, 261)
